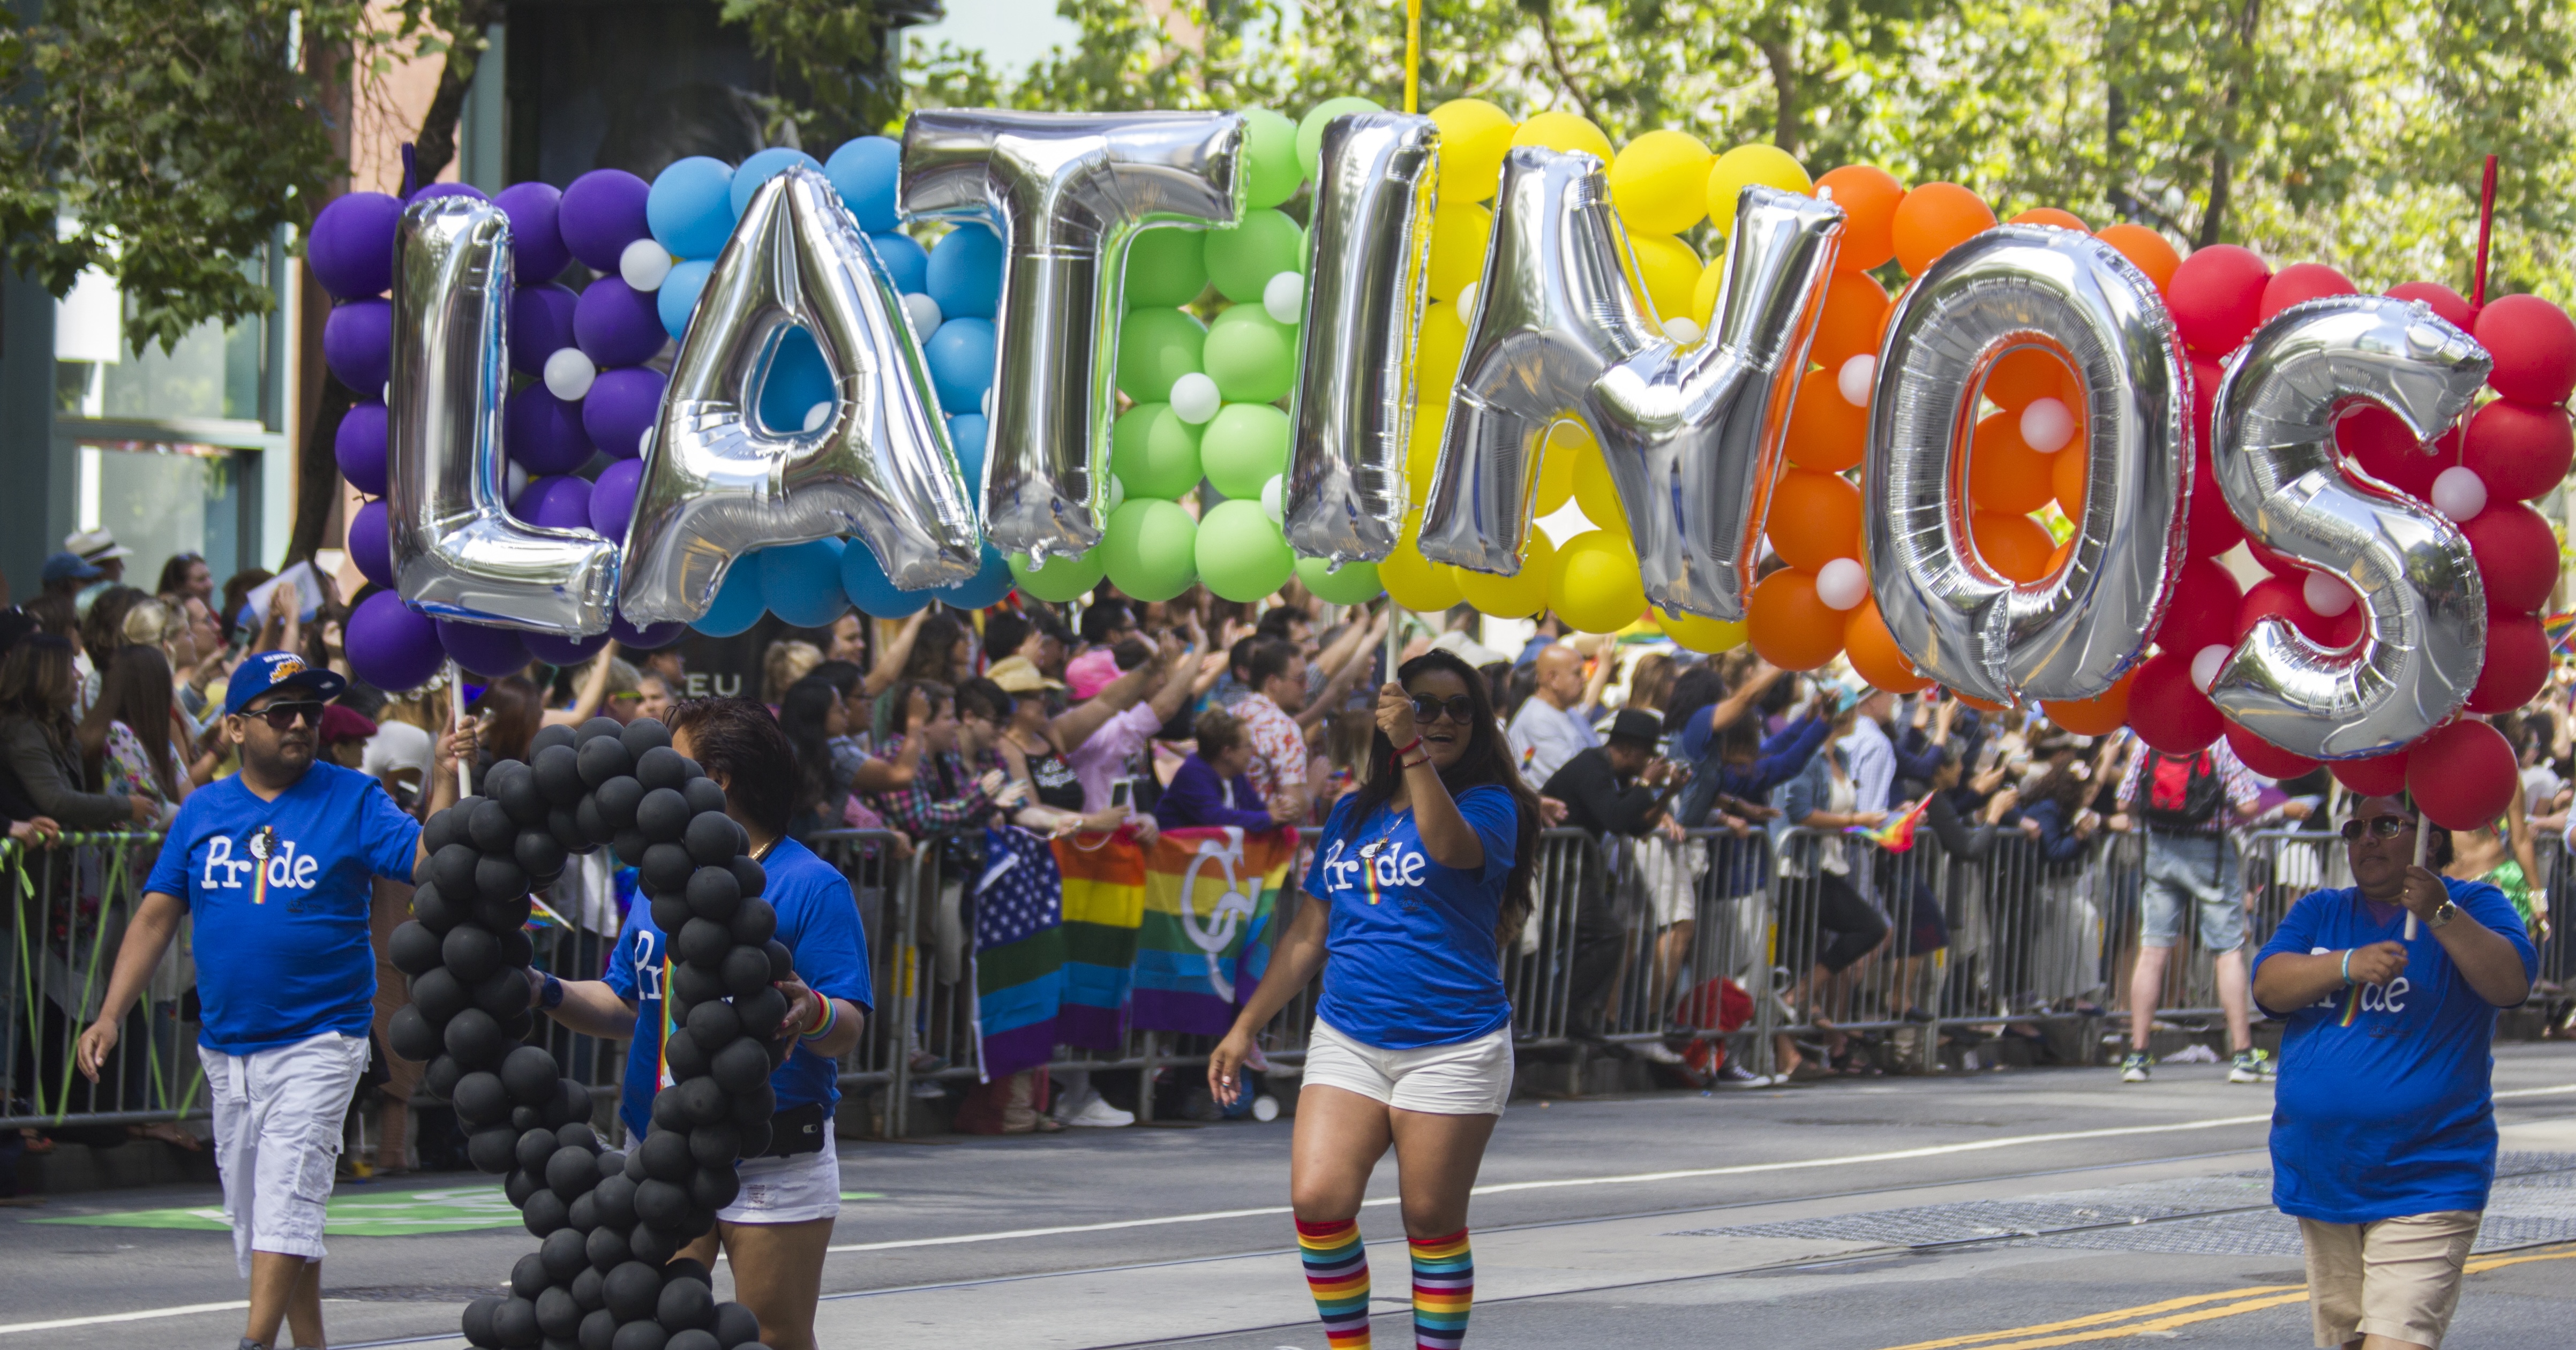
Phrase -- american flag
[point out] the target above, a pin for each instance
(1020, 892)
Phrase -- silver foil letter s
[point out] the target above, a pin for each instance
(718, 483)
(2272, 447)
(2070, 635)
(457, 552)
(1068, 191)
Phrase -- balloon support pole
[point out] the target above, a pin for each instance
(455, 719)
(2423, 839)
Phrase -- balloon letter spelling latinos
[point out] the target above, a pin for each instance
(2070, 635)
(1691, 439)
(2272, 446)
(456, 551)
(1068, 191)
(719, 483)
(1365, 257)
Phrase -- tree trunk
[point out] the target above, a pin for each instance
(2222, 168)
(1787, 127)
(2115, 120)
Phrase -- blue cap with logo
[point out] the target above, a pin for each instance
(264, 672)
(69, 567)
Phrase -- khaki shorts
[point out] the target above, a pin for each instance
(2398, 1278)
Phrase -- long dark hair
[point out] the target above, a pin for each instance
(801, 714)
(517, 711)
(1486, 760)
(39, 683)
(135, 691)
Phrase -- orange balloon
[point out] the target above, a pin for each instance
(2028, 373)
(1826, 433)
(1977, 703)
(1868, 196)
(2069, 471)
(1935, 218)
(2004, 473)
(1873, 653)
(2057, 556)
(1815, 518)
(2097, 716)
(1892, 302)
(2148, 249)
(1855, 309)
(2016, 547)
(1788, 626)
(2050, 215)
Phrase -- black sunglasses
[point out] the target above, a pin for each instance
(282, 716)
(2380, 828)
(1428, 709)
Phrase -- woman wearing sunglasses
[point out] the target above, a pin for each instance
(1418, 879)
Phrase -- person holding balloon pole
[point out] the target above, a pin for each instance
(1421, 875)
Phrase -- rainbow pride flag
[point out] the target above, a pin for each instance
(1019, 952)
(1204, 940)
(1896, 833)
(1104, 906)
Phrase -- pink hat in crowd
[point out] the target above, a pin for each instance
(1090, 672)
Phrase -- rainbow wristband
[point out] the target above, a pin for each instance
(831, 1018)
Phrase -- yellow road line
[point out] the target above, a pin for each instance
(2097, 1319)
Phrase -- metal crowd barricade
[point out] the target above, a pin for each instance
(68, 908)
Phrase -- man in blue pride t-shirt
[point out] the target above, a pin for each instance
(275, 864)
(2383, 1130)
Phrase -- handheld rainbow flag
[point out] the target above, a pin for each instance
(2560, 627)
(1896, 834)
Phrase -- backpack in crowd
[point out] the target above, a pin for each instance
(2182, 790)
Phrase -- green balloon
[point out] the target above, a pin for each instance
(1241, 555)
(1166, 266)
(1270, 172)
(1156, 347)
(1354, 583)
(1242, 259)
(1251, 356)
(1310, 128)
(1244, 447)
(1151, 549)
(1154, 453)
(1062, 578)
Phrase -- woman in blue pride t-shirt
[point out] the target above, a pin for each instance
(1418, 876)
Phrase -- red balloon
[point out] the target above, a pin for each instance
(2384, 776)
(2534, 346)
(2521, 450)
(2445, 301)
(2216, 297)
(2265, 758)
(2167, 712)
(2301, 281)
(2286, 597)
(2213, 528)
(2379, 445)
(2274, 561)
(2517, 665)
(2205, 375)
(2463, 775)
(2203, 609)
(2517, 556)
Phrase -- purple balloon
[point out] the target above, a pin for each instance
(560, 502)
(644, 639)
(612, 498)
(560, 652)
(389, 646)
(351, 247)
(359, 446)
(371, 544)
(618, 325)
(482, 650)
(537, 249)
(540, 325)
(358, 345)
(620, 408)
(603, 212)
(543, 433)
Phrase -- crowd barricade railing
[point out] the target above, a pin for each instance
(68, 907)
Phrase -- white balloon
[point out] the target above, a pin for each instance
(1842, 584)
(2205, 665)
(1270, 498)
(1195, 399)
(2459, 493)
(2328, 596)
(569, 373)
(924, 313)
(2046, 425)
(514, 480)
(1855, 378)
(1284, 295)
(1117, 493)
(1683, 331)
(820, 415)
(1466, 301)
(644, 264)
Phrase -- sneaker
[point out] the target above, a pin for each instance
(2134, 1067)
(927, 1091)
(2249, 1067)
(1097, 1114)
(1732, 1074)
(1656, 1052)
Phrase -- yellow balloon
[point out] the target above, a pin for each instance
(1414, 581)
(1566, 442)
(1705, 636)
(1664, 273)
(1704, 291)
(1597, 587)
(1595, 493)
(1659, 182)
(1460, 233)
(1743, 166)
(1437, 350)
(1562, 131)
(1422, 451)
(1473, 136)
(1513, 597)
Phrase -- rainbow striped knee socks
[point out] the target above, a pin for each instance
(1444, 1289)
(1337, 1275)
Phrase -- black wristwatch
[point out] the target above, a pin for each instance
(550, 994)
(2443, 915)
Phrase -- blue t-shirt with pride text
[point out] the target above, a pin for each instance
(818, 919)
(1411, 958)
(2386, 1104)
(279, 891)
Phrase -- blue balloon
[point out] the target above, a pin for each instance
(869, 588)
(679, 294)
(966, 273)
(990, 583)
(961, 363)
(801, 583)
(904, 259)
(864, 170)
(737, 604)
(968, 433)
(798, 379)
(760, 168)
(689, 207)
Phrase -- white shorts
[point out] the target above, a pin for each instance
(277, 1138)
(1470, 1078)
(798, 1188)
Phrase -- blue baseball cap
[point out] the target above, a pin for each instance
(69, 567)
(266, 672)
